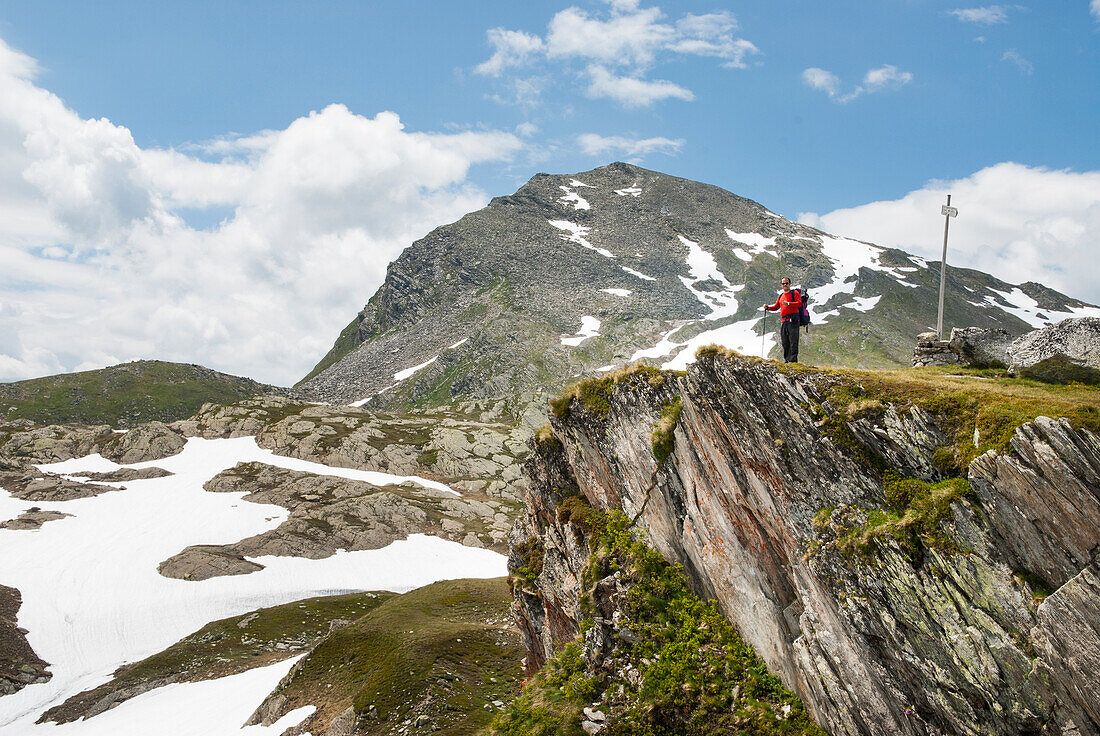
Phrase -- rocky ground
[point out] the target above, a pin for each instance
(19, 665)
(329, 513)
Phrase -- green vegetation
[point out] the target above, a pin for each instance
(345, 343)
(661, 439)
(695, 675)
(594, 394)
(123, 395)
(960, 400)
(443, 651)
(229, 646)
(913, 517)
(530, 555)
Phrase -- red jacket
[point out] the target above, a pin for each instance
(788, 304)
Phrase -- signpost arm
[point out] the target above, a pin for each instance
(943, 267)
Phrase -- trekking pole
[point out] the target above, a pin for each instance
(763, 333)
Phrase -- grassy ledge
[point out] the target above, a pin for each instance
(594, 394)
(677, 666)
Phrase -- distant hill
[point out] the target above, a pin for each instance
(577, 274)
(124, 394)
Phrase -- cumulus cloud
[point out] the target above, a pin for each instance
(599, 145)
(511, 48)
(1016, 222)
(99, 264)
(875, 80)
(1012, 56)
(633, 92)
(617, 48)
(989, 15)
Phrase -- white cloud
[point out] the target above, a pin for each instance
(624, 43)
(630, 91)
(1012, 56)
(511, 48)
(875, 80)
(1094, 8)
(98, 263)
(599, 145)
(1017, 222)
(989, 15)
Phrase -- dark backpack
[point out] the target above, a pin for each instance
(803, 312)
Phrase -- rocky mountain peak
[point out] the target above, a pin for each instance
(578, 273)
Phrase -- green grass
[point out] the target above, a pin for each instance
(913, 517)
(124, 394)
(960, 401)
(662, 438)
(346, 342)
(443, 650)
(698, 676)
(594, 394)
(226, 647)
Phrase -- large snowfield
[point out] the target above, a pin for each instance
(93, 600)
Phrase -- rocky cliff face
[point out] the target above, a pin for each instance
(576, 273)
(892, 598)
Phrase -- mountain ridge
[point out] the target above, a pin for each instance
(576, 273)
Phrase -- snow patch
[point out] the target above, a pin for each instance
(576, 234)
(578, 183)
(703, 267)
(759, 244)
(460, 342)
(572, 198)
(187, 708)
(743, 336)
(590, 327)
(743, 254)
(92, 597)
(1026, 308)
(617, 292)
(629, 192)
(605, 368)
(639, 274)
(402, 375)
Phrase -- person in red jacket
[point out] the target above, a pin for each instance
(789, 303)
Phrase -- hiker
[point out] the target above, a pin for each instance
(789, 305)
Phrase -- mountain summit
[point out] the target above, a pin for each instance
(580, 273)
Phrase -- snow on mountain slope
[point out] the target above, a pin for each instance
(92, 597)
(208, 708)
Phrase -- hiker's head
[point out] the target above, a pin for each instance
(785, 283)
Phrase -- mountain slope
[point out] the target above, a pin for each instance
(576, 273)
(124, 394)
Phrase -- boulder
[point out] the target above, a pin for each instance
(1062, 353)
(981, 348)
(149, 441)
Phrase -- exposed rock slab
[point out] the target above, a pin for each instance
(19, 665)
(753, 501)
(1061, 353)
(329, 513)
(32, 518)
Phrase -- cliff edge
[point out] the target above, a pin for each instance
(911, 552)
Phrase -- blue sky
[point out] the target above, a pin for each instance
(175, 73)
(139, 132)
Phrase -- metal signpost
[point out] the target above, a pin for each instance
(948, 212)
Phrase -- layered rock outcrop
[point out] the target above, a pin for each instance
(972, 612)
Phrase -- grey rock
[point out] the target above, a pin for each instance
(19, 665)
(149, 441)
(205, 562)
(1067, 351)
(950, 637)
(981, 347)
(32, 519)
